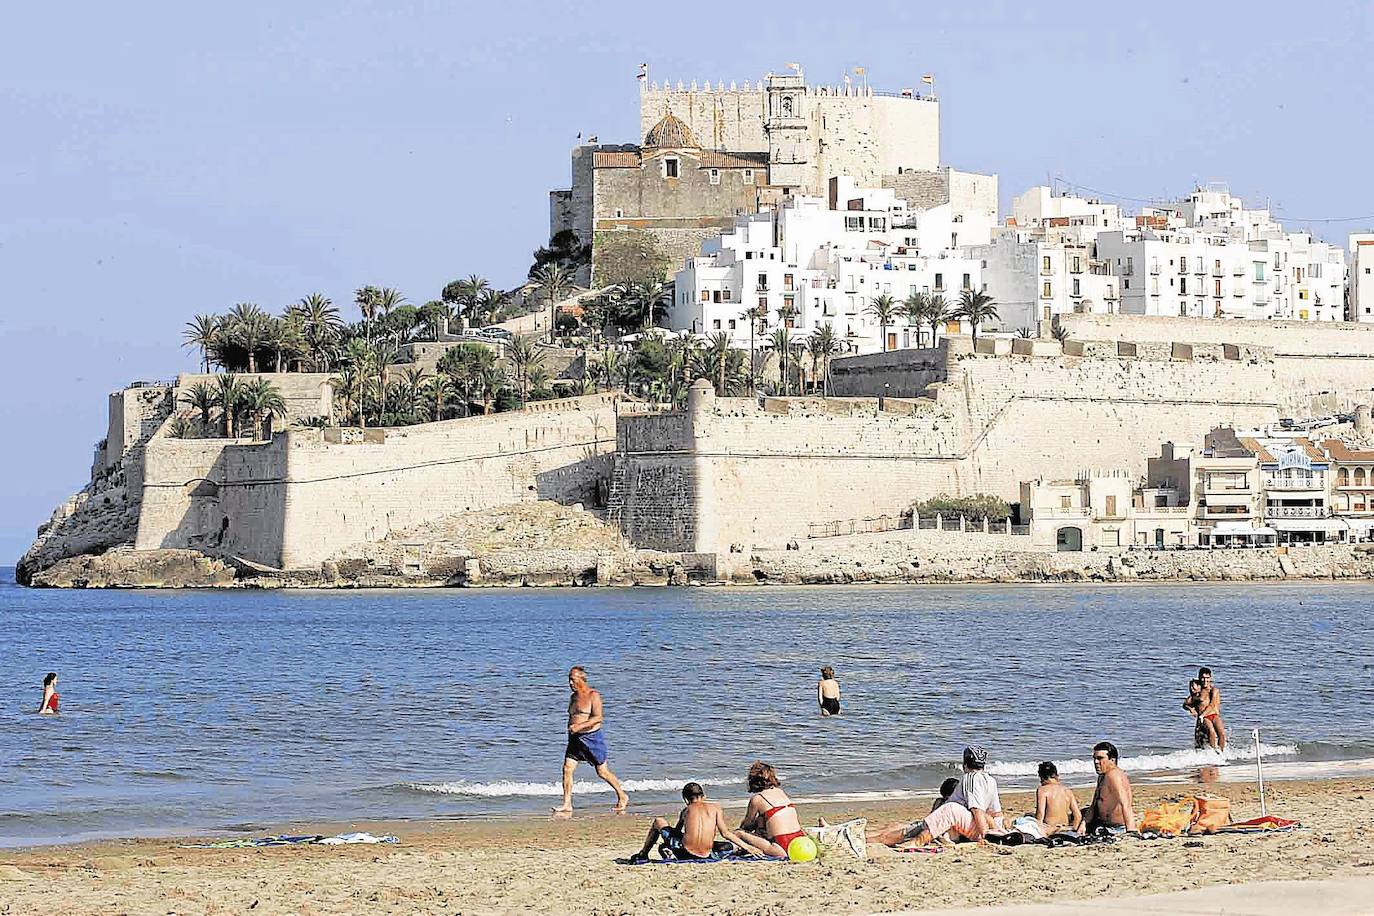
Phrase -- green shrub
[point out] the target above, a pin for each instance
(975, 508)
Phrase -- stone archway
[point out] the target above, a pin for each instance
(1068, 538)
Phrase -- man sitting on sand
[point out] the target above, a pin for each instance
(1056, 808)
(694, 837)
(1113, 804)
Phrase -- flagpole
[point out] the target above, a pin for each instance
(1259, 772)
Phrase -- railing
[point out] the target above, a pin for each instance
(1296, 512)
(909, 520)
(1062, 512)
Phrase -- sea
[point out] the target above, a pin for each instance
(235, 711)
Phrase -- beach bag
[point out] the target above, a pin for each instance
(1167, 819)
(849, 838)
(1210, 813)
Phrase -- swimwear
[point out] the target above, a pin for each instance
(587, 747)
(671, 847)
(831, 705)
(785, 839)
(1212, 717)
(52, 702)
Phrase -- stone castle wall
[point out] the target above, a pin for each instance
(309, 494)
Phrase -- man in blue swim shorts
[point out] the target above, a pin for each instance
(586, 742)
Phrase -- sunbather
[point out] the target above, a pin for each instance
(770, 822)
(694, 836)
(1113, 805)
(1056, 808)
(970, 812)
(946, 790)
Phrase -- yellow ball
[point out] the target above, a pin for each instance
(802, 849)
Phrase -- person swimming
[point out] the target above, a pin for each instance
(50, 695)
(828, 692)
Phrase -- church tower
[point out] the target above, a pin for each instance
(786, 127)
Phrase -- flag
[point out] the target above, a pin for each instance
(928, 79)
(794, 67)
(859, 71)
(643, 72)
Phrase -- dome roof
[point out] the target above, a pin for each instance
(671, 133)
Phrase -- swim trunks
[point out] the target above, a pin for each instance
(587, 747)
(831, 705)
(671, 847)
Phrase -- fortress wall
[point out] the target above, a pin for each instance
(340, 495)
(868, 137)
(135, 415)
(906, 373)
(307, 394)
(1320, 367)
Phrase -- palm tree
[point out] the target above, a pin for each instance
(201, 332)
(357, 357)
(490, 380)
(486, 305)
(201, 397)
(464, 293)
(410, 393)
(436, 314)
(610, 367)
(718, 359)
(368, 300)
(781, 342)
(384, 352)
(261, 400)
(229, 396)
(440, 389)
(976, 307)
(753, 316)
(321, 324)
(883, 309)
(653, 297)
(524, 356)
(914, 310)
(388, 299)
(822, 345)
(538, 382)
(937, 313)
(554, 281)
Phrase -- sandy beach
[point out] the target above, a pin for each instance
(539, 865)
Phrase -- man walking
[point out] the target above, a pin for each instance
(585, 740)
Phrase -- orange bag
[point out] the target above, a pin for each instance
(1169, 819)
(1210, 812)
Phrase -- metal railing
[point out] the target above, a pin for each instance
(1296, 512)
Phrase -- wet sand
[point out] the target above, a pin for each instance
(565, 866)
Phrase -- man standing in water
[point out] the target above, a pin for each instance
(585, 740)
(1211, 710)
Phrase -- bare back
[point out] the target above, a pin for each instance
(699, 822)
(1055, 806)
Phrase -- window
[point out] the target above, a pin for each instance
(670, 166)
(1077, 264)
(763, 303)
(1076, 290)
(1046, 292)
(954, 240)
(1126, 283)
(967, 284)
(1359, 477)
(732, 324)
(939, 283)
(1045, 263)
(715, 294)
(715, 176)
(1259, 271)
(1302, 294)
(1065, 502)
(763, 282)
(1217, 288)
(786, 281)
(619, 213)
(1343, 477)
(715, 325)
(705, 295)
(748, 256)
(1183, 285)
(725, 294)
(748, 176)
(1183, 265)
(1111, 507)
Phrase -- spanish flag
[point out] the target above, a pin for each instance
(928, 79)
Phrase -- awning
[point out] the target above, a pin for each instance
(1309, 524)
(1239, 529)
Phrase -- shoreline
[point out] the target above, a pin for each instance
(507, 865)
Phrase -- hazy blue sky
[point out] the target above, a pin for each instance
(163, 159)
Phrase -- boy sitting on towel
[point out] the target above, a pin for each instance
(694, 837)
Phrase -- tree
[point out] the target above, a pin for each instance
(883, 309)
(628, 257)
(976, 307)
(247, 325)
(937, 313)
(384, 352)
(229, 396)
(321, 323)
(388, 299)
(411, 394)
(485, 306)
(463, 294)
(202, 397)
(435, 315)
(357, 356)
(914, 309)
(539, 383)
(822, 345)
(555, 282)
(261, 400)
(462, 364)
(524, 355)
(753, 316)
(718, 359)
(490, 380)
(439, 389)
(652, 296)
(201, 332)
(565, 249)
(368, 299)
(781, 342)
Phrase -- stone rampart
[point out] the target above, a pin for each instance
(307, 394)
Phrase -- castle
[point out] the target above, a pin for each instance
(710, 154)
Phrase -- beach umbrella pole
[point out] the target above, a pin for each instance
(1259, 772)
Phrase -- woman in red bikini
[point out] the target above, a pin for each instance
(770, 823)
(50, 697)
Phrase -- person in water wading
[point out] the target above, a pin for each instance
(50, 698)
(585, 740)
(828, 692)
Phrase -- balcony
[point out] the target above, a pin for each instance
(1217, 272)
(1222, 513)
(1296, 512)
(1060, 512)
(1154, 269)
(1296, 484)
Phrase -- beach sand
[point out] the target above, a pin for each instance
(539, 865)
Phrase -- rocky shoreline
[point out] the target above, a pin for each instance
(883, 562)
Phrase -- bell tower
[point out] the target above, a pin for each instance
(786, 127)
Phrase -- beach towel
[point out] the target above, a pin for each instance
(345, 839)
(256, 842)
(712, 860)
(1267, 824)
(850, 837)
(1167, 819)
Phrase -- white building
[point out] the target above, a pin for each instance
(1360, 291)
(816, 261)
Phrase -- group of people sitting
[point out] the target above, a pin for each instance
(968, 809)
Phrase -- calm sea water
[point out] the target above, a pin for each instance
(222, 711)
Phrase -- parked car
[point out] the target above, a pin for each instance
(496, 333)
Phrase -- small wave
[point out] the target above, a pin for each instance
(512, 789)
(1174, 760)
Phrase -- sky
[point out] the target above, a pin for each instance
(159, 160)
